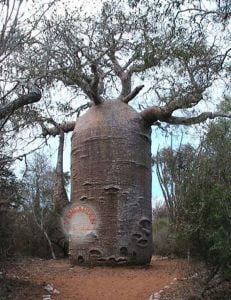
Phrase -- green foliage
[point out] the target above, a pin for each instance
(29, 213)
(10, 186)
(200, 200)
(10, 198)
(163, 242)
(161, 231)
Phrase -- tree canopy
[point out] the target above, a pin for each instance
(173, 54)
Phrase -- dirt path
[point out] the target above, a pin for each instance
(99, 283)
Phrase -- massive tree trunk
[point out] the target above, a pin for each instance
(109, 221)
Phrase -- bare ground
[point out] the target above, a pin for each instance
(28, 278)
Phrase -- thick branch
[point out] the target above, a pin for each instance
(155, 113)
(197, 119)
(90, 85)
(65, 127)
(133, 94)
(95, 97)
(138, 68)
(188, 101)
(19, 102)
(124, 76)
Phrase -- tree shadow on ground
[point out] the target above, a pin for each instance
(13, 288)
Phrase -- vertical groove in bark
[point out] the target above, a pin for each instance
(60, 195)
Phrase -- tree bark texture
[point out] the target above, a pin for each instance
(109, 220)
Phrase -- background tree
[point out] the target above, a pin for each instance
(198, 198)
(30, 224)
(10, 199)
(14, 38)
(39, 182)
(19, 25)
(40, 207)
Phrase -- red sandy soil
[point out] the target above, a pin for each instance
(98, 283)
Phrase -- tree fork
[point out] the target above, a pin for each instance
(133, 94)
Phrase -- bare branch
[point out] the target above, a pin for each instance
(83, 107)
(58, 129)
(133, 94)
(22, 100)
(95, 97)
(203, 13)
(90, 85)
(116, 66)
(65, 127)
(187, 101)
(157, 113)
(138, 68)
(153, 114)
(124, 76)
(9, 92)
(196, 120)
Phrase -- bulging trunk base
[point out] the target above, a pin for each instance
(109, 220)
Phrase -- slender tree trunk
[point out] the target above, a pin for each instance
(50, 244)
(60, 195)
(43, 230)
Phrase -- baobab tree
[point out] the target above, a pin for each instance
(163, 52)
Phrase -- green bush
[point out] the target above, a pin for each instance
(197, 185)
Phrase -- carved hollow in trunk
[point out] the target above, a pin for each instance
(109, 221)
